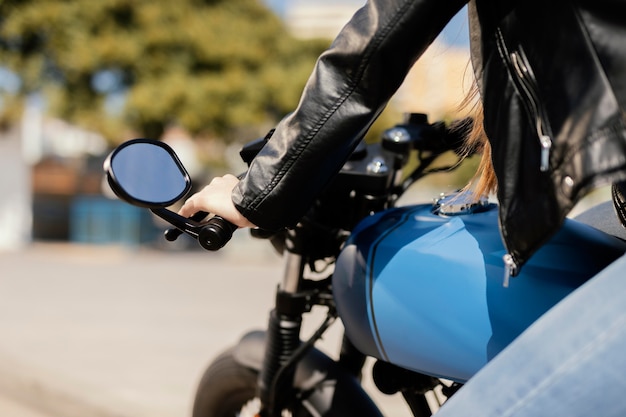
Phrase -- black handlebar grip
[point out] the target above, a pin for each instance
(172, 234)
(216, 233)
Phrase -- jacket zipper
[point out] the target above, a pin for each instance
(529, 84)
(526, 82)
(510, 269)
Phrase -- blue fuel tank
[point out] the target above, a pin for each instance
(424, 290)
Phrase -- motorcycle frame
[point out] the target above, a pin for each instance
(286, 359)
(287, 364)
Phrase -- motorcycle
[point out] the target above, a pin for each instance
(418, 288)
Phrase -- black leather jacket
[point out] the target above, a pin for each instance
(552, 76)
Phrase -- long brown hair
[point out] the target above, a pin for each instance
(484, 180)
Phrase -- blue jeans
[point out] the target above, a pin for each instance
(571, 362)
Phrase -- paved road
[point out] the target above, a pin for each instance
(120, 332)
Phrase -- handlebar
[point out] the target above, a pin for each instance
(216, 233)
(212, 235)
(416, 133)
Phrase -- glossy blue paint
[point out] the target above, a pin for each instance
(424, 291)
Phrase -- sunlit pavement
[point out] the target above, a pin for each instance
(118, 331)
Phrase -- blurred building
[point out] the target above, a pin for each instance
(317, 20)
(56, 189)
(16, 201)
(436, 85)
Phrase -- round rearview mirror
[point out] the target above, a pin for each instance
(147, 173)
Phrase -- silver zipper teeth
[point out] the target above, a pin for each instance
(544, 140)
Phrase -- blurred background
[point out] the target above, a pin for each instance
(78, 77)
(98, 315)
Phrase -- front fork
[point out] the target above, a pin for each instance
(283, 346)
(283, 339)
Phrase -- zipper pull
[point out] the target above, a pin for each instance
(546, 144)
(510, 269)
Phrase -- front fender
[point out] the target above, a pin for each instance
(329, 389)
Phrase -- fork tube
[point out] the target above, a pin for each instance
(294, 268)
(283, 338)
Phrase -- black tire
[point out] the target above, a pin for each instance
(226, 387)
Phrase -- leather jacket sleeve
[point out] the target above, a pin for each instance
(350, 85)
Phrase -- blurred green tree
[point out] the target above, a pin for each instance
(210, 66)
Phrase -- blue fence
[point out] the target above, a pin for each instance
(100, 220)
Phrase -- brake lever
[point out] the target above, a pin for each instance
(211, 235)
(173, 233)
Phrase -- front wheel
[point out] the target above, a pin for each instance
(225, 388)
(228, 389)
